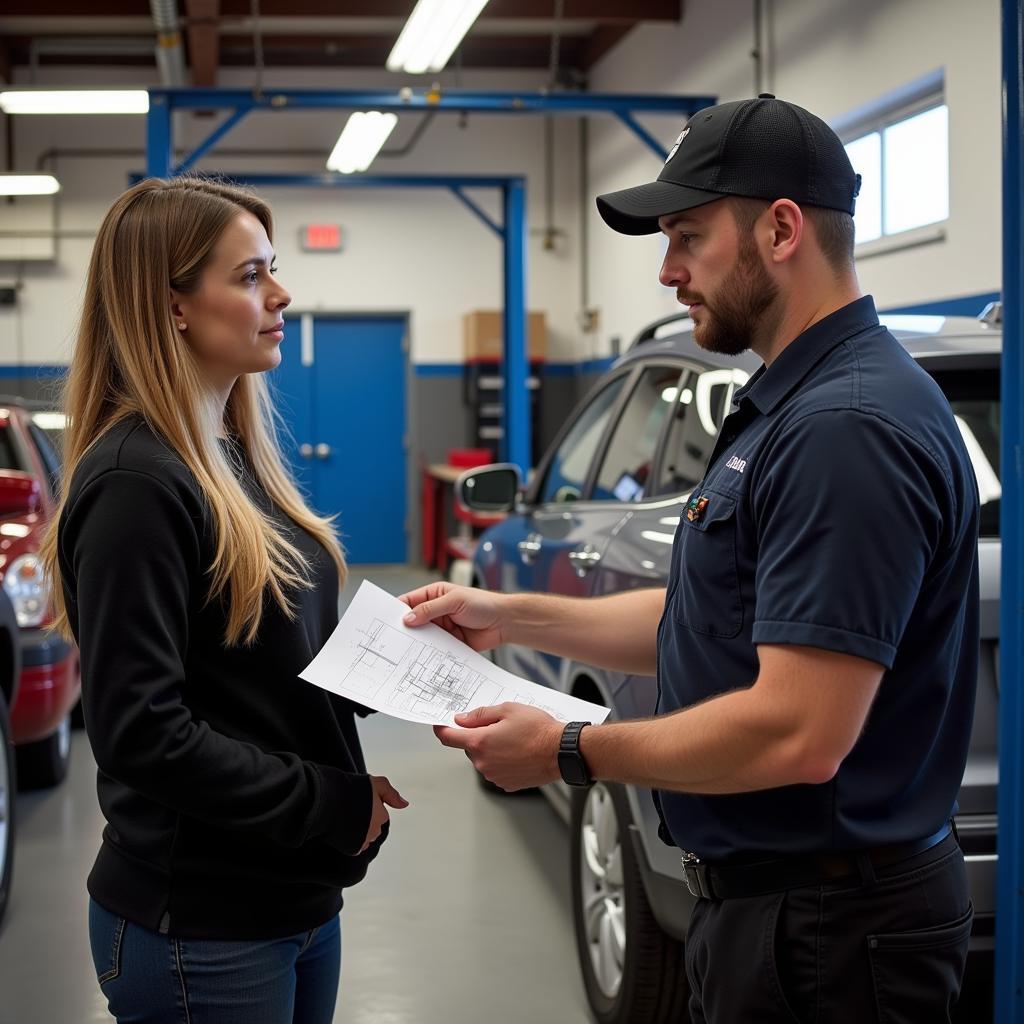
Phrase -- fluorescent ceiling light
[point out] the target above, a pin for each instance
(28, 185)
(360, 141)
(431, 34)
(75, 101)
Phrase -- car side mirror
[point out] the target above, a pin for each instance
(490, 488)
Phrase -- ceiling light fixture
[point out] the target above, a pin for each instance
(431, 34)
(74, 101)
(28, 185)
(360, 141)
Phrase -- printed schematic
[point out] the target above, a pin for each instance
(423, 675)
(418, 678)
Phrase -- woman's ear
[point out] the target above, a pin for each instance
(176, 309)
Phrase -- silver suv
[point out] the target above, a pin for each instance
(599, 517)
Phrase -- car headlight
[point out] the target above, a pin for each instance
(28, 588)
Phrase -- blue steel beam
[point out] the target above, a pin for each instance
(158, 138)
(479, 211)
(211, 140)
(432, 99)
(330, 180)
(243, 102)
(642, 133)
(1009, 994)
(516, 441)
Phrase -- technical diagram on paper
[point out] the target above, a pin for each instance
(422, 674)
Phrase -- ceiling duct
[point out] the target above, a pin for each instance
(170, 56)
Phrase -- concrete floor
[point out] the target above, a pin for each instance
(464, 916)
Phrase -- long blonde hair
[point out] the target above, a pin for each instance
(130, 360)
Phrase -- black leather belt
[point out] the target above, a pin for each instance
(734, 881)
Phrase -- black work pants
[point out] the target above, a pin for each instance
(888, 951)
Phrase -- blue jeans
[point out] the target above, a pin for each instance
(153, 979)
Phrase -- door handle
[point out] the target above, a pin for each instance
(306, 451)
(322, 450)
(529, 549)
(584, 559)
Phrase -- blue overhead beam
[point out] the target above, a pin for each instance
(1009, 979)
(457, 100)
(516, 443)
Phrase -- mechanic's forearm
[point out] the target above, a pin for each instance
(733, 743)
(617, 632)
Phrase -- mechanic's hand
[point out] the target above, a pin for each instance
(470, 615)
(384, 795)
(515, 746)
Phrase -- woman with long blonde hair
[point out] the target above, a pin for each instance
(197, 584)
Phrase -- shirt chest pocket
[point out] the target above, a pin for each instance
(708, 598)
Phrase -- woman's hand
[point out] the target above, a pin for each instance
(384, 796)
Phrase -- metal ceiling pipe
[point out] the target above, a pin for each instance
(170, 55)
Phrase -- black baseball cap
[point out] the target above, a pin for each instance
(763, 148)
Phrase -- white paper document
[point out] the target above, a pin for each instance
(422, 674)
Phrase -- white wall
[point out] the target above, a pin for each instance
(405, 250)
(831, 56)
(422, 252)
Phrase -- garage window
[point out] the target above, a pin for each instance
(901, 151)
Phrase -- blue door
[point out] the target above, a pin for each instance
(341, 389)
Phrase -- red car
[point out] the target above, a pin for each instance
(39, 673)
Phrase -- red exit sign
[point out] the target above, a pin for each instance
(321, 237)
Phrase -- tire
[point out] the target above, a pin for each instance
(7, 804)
(45, 763)
(633, 973)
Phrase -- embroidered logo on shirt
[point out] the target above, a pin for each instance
(696, 508)
(738, 464)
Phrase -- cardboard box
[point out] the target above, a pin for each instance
(482, 335)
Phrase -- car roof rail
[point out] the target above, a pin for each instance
(992, 314)
(652, 332)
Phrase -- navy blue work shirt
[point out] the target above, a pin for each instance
(839, 511)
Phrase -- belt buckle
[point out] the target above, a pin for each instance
(696, 873)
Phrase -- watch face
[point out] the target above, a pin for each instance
(573, 770)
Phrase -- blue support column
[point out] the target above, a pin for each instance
(516, 443)
(159, 143)
(1009, 995)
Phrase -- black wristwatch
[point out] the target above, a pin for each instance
(570, 761)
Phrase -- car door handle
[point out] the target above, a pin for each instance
(584, 559)
(529, 549)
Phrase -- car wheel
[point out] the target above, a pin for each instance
(7, 789)
(633, 972)
(45, 763)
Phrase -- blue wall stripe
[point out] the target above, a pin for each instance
(546, 370)
(966, 305)
(32, 371)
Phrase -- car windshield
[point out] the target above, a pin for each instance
(974, 397)
(52, 424)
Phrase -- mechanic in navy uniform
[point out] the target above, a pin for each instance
(816, 648)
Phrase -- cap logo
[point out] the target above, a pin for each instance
(682, 135)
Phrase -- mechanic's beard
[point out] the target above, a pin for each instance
(744, 308)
